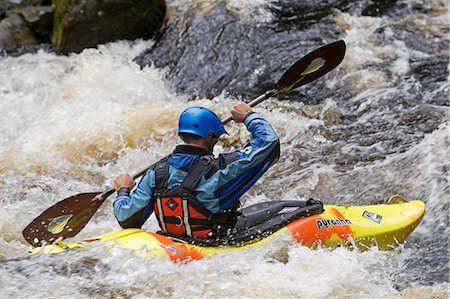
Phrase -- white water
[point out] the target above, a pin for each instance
(69, 124)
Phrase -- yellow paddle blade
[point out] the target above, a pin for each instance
(58, 224)
(315, 65)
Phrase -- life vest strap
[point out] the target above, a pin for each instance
(162, 173)
(197, 171)
(186, 217)
(160, 215)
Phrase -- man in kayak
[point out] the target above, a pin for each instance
(191, 192)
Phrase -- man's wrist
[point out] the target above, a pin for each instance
(250, 117)
(123, 191)
(247, 115)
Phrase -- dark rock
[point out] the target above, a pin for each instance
(300, 15)
(378, 8)
(34, 2)
(6, 5)
(81, 24)
(215, 50)
(14, 33)
(38, 18)
(28, 49)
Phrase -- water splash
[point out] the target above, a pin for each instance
(75, 121)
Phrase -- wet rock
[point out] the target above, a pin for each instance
(29, 49)
(38, 18)
(83, 24)
(211, 51)
(14, 32)
(32, 2)
(303, 14)
(377, 8)
(6, 5)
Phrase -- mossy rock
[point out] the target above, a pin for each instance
(14, 33)
(80, 24)
(38, 18)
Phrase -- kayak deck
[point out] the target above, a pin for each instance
(384, 226)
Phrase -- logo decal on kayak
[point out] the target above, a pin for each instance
(372, 216)
(332, 222)
(173, 249)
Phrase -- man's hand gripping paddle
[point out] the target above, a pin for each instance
(68, 217)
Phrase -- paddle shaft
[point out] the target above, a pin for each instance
(109, 192)
(255, 102)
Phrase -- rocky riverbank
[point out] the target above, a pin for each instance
(73, 25)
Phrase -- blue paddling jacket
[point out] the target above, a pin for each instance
(218, 190)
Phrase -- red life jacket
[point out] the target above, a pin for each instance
(178, 211)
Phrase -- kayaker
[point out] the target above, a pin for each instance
(192, 192)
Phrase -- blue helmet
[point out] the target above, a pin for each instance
(200, 121)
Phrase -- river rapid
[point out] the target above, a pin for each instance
(375, 126)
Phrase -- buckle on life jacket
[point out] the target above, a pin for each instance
(205, 160)
(181, 221)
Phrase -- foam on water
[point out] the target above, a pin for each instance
(285, 269)
(249, 11)
(70, 123)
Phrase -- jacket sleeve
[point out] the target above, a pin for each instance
(228, 184)
(132, 211)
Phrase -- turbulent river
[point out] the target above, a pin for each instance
(375, 126)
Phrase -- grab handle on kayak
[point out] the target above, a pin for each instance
(396, 198)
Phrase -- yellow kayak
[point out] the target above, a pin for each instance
(384, 226)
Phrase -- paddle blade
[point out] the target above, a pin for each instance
(312, 66)
(64, 219)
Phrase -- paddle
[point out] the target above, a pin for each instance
(68, 217)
